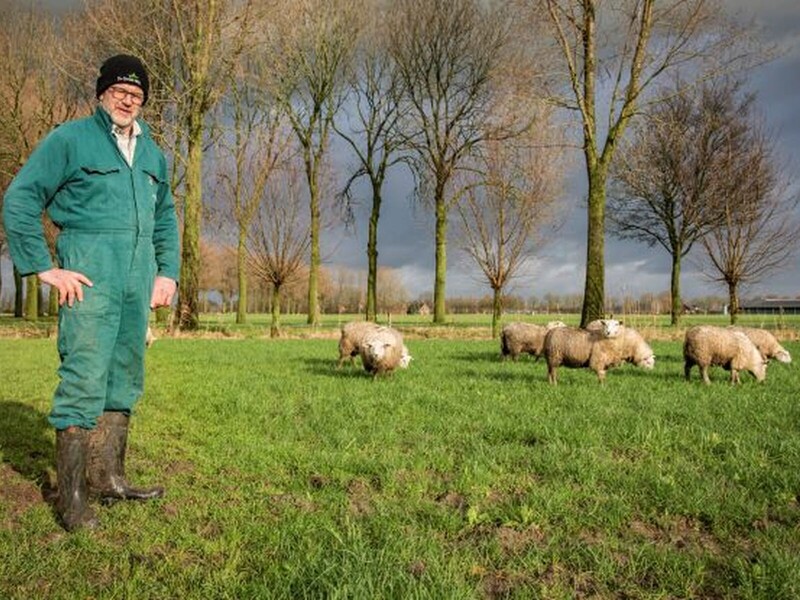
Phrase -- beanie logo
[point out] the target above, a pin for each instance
(130, 78)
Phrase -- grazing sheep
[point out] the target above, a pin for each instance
(608, 327)
(575, 348)
(706, 345)
(517, 338)
(766, 343)
(351, 339)
(383, 350)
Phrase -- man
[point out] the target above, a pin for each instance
(103, 182)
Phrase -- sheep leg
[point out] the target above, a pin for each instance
(552, 375)
(687, 370)
(734, 376)
(704, 372)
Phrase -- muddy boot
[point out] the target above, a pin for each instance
(72, 448)
(106, 470)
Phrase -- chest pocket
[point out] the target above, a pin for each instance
(101, 189)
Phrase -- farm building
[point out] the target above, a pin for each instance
(771, 306)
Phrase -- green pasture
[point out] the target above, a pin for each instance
(461, 477)
(475, 325)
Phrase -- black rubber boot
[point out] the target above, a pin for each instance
(106, 471)
(72, 448)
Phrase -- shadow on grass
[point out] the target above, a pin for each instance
(27, 447)
(327, 367)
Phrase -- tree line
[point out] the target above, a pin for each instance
(484, 103)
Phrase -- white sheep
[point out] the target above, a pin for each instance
(383, 351)
(352, 337)
(765, 342)
(608, 327)
(517, 338)
(575, 348)
(706, 345)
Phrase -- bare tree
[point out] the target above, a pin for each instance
(759, 230)
(248, 155)
(511, 200)
(624, 46)
(313, 40)
(279, 238)
(372, 131)
(447, 52)
(668, 177)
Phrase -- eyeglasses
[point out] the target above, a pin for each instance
(120, 94)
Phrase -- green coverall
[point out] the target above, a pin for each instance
(118, 227)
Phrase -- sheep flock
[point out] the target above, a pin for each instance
(601, 346)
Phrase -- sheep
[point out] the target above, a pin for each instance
(573, 348)
(766, 343)
(382, 351)
(609, 327)
(351, 339)
(706, 345)
(517, 338)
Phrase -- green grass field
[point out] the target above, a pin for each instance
(462, 477)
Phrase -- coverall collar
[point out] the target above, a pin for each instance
(104, 120)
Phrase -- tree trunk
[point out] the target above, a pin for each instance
(314, 260)
(372, 255)
(497, 310)
(52, 302)
(40, 308)
(190, 259)
(733, 302)
(675, 289)
(31, 298)
(594, 289)
(439, 306)
(274, 327)
(241, 269)
(18, 295)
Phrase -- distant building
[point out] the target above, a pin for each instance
(771, 306)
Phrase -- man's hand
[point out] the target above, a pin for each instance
(163, 291)
(68, 283)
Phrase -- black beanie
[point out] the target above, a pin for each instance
(123, 68)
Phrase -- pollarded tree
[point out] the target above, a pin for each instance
(668, 177)
(506, 210)
(279, 237)
(758, 232)
(611, 53)
(447, 53)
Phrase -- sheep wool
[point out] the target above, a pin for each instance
(608, 327)
(352, 337)
(383, 351)
(517, 338)
(580, 348)
(765, 342)
(706, 345)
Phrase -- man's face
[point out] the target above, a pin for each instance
(123, 102)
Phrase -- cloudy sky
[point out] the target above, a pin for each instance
(406, 231)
